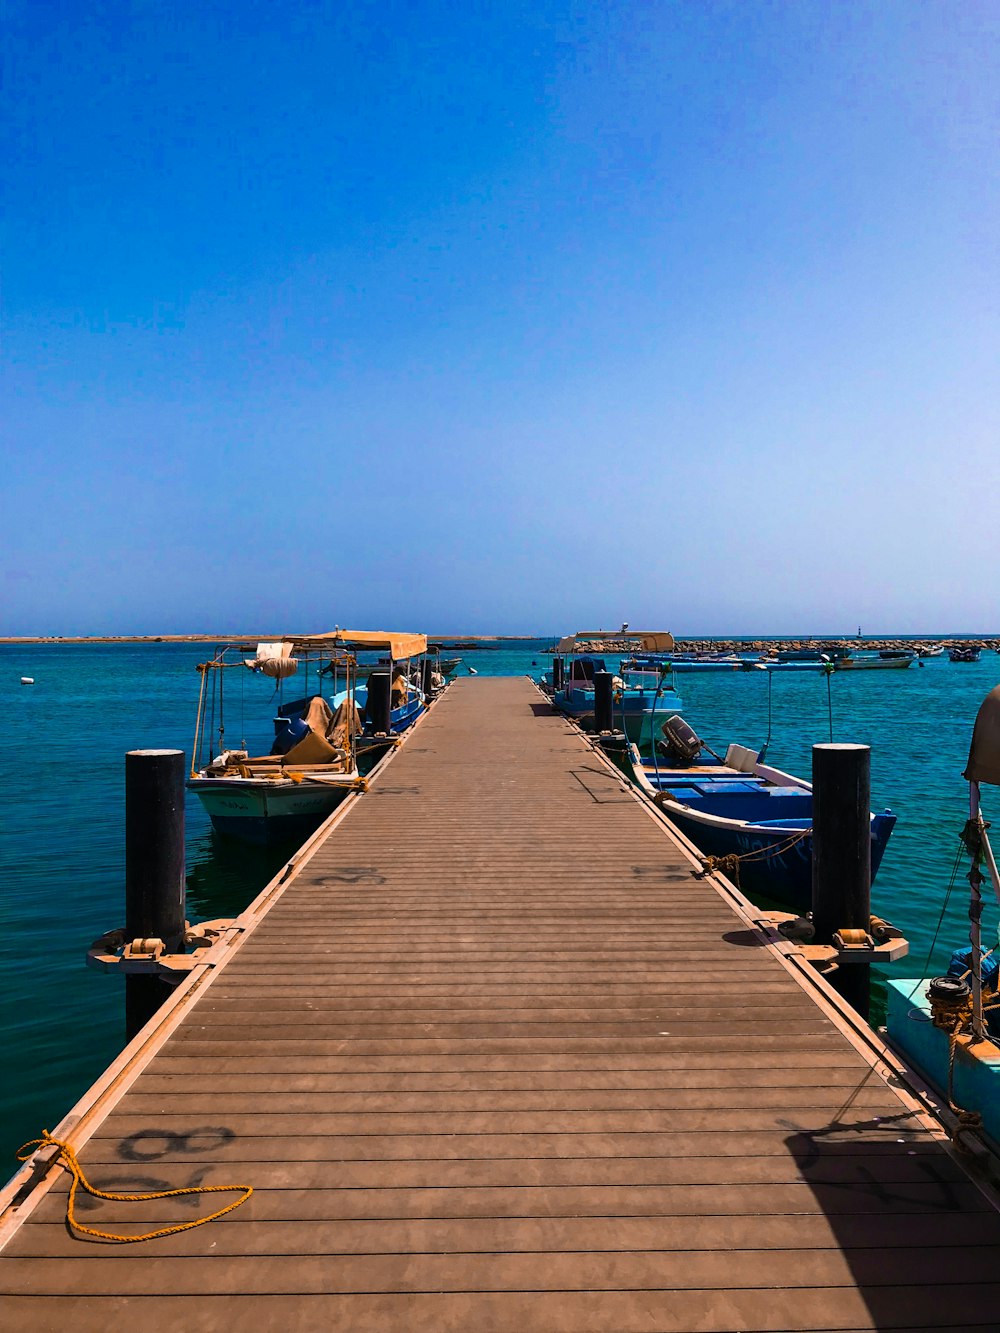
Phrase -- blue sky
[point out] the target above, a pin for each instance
(507, 317)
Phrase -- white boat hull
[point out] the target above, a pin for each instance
(263, 810)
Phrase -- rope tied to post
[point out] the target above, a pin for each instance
(730, 864)
(68, 1159)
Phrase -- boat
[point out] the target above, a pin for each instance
(407, 700)
(642, 700)
(964, 654)
(808, 654)
(930, 650)
(887, 659)
(949, 1025)
(686, 662)
(284, 786)
(818, 663)
(735, 806)
(445, 665)
(802, 659)
(27, 680)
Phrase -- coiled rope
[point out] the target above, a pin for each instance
(68, 1159)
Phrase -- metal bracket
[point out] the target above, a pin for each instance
(848, 946)
(114, 952)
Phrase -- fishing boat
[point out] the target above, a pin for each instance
(930, 650)
(400, 670)
(686, 662)
(949, 1025)
(802, 659)
(819, 663)
(757, 817)
(446, 666)
(964, 654)
(642, 699)
(887, 659)
(285, 784)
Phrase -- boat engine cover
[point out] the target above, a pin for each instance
(681, 738)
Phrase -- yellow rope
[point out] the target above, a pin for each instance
(71, 1163)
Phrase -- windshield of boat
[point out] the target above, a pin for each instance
(641, 678)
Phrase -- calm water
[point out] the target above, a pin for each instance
(63, 745)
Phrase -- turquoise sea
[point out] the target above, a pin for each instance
(64, 741)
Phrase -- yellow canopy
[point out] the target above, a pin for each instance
(649, 641)
(397, 645)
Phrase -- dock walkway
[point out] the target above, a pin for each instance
(495, 1059)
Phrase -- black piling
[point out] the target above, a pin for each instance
(842, 857)
(426, 672)
(379, 706)
(557, 673)
(154, 869)
(603, 697)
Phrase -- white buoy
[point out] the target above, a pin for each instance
(473, 671)
(27, 680)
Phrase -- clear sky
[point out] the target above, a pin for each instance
(503, 317)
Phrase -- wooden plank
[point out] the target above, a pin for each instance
(637, 1270)
(275, 1234)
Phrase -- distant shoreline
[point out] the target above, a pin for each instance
(700, 640)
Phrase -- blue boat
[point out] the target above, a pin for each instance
(735, 806)
(685, 662)
(644, 697)
(406, 700)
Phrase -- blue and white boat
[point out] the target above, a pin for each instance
(735, 806)
(643, 697)
(318, 740)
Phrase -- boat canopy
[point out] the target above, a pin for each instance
(649, 641)
(397, 645)
(984, 755)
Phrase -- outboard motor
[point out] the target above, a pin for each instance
(680, 740)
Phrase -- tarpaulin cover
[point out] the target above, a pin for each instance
(275, 660)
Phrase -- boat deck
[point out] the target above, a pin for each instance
(493, 1058)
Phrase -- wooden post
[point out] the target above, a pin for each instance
(426, 671)
(378, 710)
(557, 673)
(603, 695)
(154, 869)
(842, 857)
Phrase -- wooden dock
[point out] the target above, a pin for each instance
(493, 1057)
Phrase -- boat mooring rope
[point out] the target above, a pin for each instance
(68, 1159)
(731, 863)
